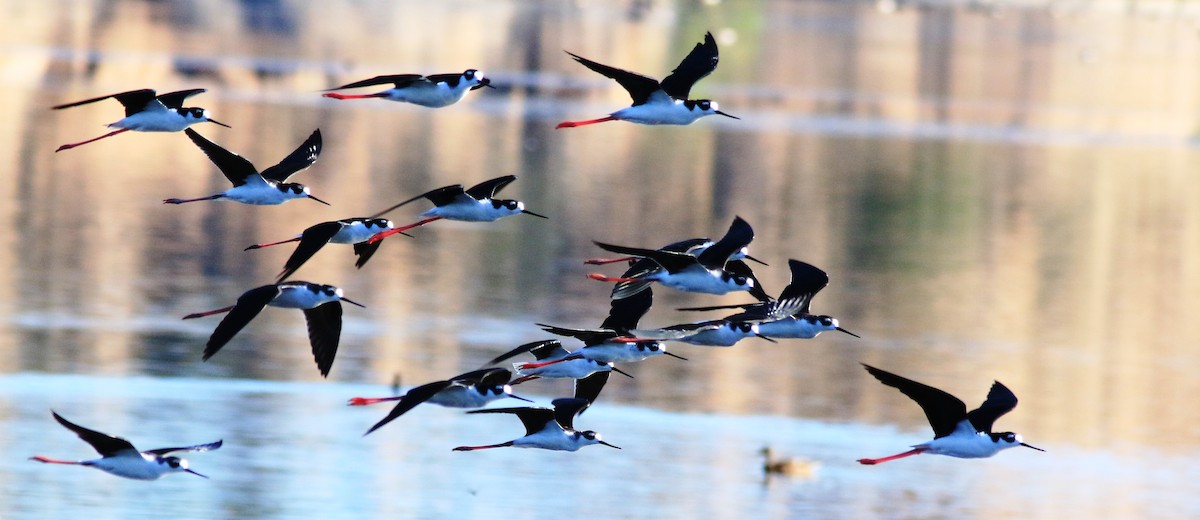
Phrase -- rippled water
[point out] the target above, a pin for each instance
(993, 190)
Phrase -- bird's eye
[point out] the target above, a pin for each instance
(740, 280)
(470, 74)
(173, 462)
(826, 321)
(512, 204)
(704, 105)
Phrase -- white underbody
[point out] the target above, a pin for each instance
(723, 336)
(463, 397)
(468, 209)
(553, 438)
(792, 328)
(660, 109)
(300, 297)
(574, 368)
(356, 232)
(964, 443)
(698, 280)
(161, 120)
(619, 352)
(135, 466)
(429, 95)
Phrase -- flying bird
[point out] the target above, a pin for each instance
(148, 111)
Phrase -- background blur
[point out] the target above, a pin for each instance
(998, 190)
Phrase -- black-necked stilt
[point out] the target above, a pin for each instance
(553, 361)
(322, 305)
(788, 316)
(434, 91)
(712, 333)
(661, 103)
(250, 186)
(356, 231)
(119, 457)
(147, 112)
(547, 428)
(474, 204)
(603, 344)
(713, 269)
(956, 432)
(470, 390)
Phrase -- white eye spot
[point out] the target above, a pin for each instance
(713, 105)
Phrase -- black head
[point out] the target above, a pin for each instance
(1010, 440)
(706, 106)
(173, 462)
(477, 77)
(377, 222)
(738, 280)
(293, 188)
(511, 205)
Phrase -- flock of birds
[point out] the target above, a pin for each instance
(698, 265)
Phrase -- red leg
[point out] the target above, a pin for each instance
(602, 261)
(73, 145)
(602, 278)
(336, 95)
(909, 453)
(395, 231)
(208, 313)
(473, 448)
(260, 246)
(363, 401)
(49, 460)
(573, 124)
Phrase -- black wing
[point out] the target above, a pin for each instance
(175, 99)
(235, 167)
(410, 400)
(565, 410)
(104, 444)
(534, 419)
(540, 350)
(625, 313)
(639, 87)
(311, 241)
(1000, 400)
(488, 377)
(364, 250)
(740, 268)
(698, 64)
(248, 305)
(399, 80)
(439, 197)
(199, 447)
(587, 336)
(324, 332)
(588, 388)
(807, 281)
(489, 188)
(133, 101)
(671, 261)
(299, 159)
(739, 235)
(943, 410)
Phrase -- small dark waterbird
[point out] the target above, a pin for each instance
(665, 102)
(148, 111)
(956, 432)
(120, 458)
(433, 91)
(322, 306)
(269, 187)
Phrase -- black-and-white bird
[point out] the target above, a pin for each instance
(788, 316)
(712, 333)
(322, 306)
(270, 187)
(475, 204)
(148, 111)
(606, 344)
(120, 458)
(470, 390)
(356, 231)
(433, 91)
(709, 271)
(665, 102)
(547, 428)
(956, 432)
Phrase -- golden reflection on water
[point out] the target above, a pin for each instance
(997, 195)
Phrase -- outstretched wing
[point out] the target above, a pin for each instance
(399, 80)
(175, 99)
(311, 241)
(534, 419)
(324, 333)
(943, 410)
(133, 101)
(489, 188)
(698, 64)
(738, 236)
(410, 400)
(235, 167)
(299, 159)
(566, 408)
(1000, 400)
(639, 87)
(540, 350)
(807, 281)
(439, 197)
(248, 305)
(104, 444)
(199, 447)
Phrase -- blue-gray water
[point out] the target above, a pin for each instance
(998, 192)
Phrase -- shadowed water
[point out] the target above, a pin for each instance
(1004, 192)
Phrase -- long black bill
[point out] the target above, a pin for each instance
(530, 213)
(319, 200)
(199, 475)
(1032, 447)
(619, 371)
(848, 332)
(519, 398)
(214, 121)
(766, 338)
(727, 115)
(752, 259)
(676, 356)
(352, 302)
(609, 445)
